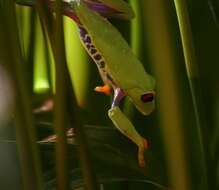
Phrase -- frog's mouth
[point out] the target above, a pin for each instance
(147, 109)
(143, 100)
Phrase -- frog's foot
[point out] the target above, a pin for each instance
(106, 89)
(141, 150)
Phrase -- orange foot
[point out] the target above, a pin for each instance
(146, 143)
(106, 89)
(141, 151)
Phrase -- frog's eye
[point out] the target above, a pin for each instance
(147, 97)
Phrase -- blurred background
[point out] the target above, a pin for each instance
(183, 131)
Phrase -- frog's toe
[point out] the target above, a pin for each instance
(141, 160)
(146, 143)
(106, 89)
(141, 151)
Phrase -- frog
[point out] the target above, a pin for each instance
(122, 73)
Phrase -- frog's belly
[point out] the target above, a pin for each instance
(107, 78)
(97, 57)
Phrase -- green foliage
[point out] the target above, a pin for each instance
(47, 63)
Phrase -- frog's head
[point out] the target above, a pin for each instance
(143, 100)
(142, 94)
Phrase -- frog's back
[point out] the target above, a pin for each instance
(125, 69)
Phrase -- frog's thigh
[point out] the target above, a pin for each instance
(124, 125)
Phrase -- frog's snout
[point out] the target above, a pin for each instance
(149, 111)
(146, 108)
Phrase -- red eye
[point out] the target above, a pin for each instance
(147, 97)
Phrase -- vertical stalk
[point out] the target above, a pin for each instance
(60, 111)
(168, 96)
(136, 45)
(193, 77)
(25, 132)
(87, 170)
(136, 29)
(31, 48)
(84, 156)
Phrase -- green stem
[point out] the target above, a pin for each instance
(136, 45)
(60, 111)
(25, 132)
(136, 28)
(168, 95)
(31, 49)
(193, 77)
(87, 170)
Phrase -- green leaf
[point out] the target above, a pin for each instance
(26, 2)
(114, 158)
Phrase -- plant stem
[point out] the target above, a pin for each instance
(60, 111)
(25, 132)
(168, 96)
(136, 45)
(136, 28)
(89, 176)
(193, 77)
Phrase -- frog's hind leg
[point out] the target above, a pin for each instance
(123, 124)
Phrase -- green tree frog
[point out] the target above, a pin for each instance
(122, 73)
(119, 69)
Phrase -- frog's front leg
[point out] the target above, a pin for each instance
(123, 124)
(106, 89)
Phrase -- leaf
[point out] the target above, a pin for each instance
(26, 2)
(114, 158)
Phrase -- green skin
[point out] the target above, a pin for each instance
(122, 70)
(126, 71)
